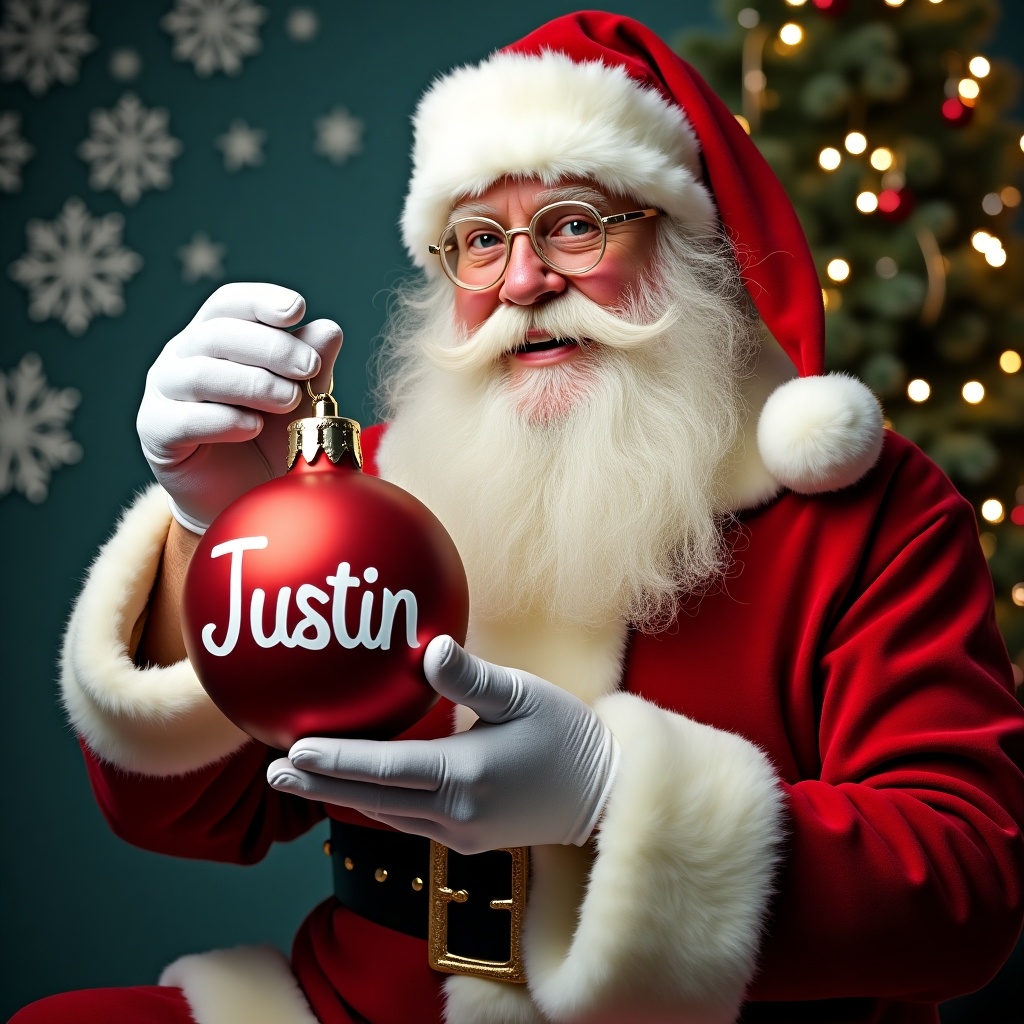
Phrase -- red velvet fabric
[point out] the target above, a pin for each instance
(151, 1004)
(758, 217)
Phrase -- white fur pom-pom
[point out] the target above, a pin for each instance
(819, 434)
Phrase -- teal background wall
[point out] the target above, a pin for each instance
(80, 907)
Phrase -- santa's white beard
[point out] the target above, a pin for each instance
(587, 491)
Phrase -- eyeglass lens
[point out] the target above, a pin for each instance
(567, 236)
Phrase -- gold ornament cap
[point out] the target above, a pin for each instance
(325, 431)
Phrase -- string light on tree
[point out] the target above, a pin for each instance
(992, 511)
(968, 90)
(867, 202)
(895, 204)
(838, 270)
(956, 112)
(919, 390)
(833, 8)
(830, 158)
(973, 392)
(791, 34)
(855, 143)
(881, 158)
(1010, 361)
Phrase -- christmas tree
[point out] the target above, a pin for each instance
(889, 128)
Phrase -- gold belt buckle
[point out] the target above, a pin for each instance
(441, 894)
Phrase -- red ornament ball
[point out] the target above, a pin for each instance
(956, 112)
(895, 204)
(833, 8)
(310, 600)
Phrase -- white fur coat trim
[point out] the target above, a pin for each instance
(244, 985)
(667, 924)
(158, 720)
(551, 117)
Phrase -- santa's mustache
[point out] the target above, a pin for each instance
(571, 316)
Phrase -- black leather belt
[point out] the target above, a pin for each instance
(469, 908)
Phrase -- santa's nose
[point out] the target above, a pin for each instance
(528, 279)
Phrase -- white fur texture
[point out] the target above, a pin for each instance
(551, 117)
(818, 434)
(477, 1001)
(244, 985)
(156, 721)
(671, 914)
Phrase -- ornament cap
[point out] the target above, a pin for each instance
(325, 431)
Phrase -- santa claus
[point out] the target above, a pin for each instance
(733, 734)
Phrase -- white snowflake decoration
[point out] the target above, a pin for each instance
(201, 258)
(42, 42)
(125, 64)
(33, 441)
(75, 266)
(302, 24)
(129, 149)
(242, 146)
(14, 151)
(339, 135)
(214, 34)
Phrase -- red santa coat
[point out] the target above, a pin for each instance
(841, 703)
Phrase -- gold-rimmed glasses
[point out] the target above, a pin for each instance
(570, 238)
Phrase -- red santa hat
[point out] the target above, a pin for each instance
(599, 96)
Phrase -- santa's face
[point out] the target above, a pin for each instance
(587, 484)
(530, 283)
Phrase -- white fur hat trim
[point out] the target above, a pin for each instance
(818, 434)
(551, 117)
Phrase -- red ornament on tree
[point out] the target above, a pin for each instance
(956, 112)
(833, 8)
(895, 204)
(310, 600)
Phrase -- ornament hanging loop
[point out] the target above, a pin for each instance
(324, 403)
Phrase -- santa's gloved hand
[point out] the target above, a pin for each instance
(219, 398)
(537, 768)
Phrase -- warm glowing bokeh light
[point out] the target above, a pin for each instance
(973, 391)
(855, 142)
(867, 202)
(838, 270)
(983, 241)
(830, 158)
(968, 89)
(919, 390)
(996, 256)
(979, 67)
(1010, 361)
(881, 159)
(992, 511)
(791, 34)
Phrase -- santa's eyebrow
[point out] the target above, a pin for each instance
(560, 194)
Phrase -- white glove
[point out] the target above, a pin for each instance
(231, 376)
(536, 769)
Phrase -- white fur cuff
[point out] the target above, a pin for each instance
(253, 984)
(156, 721)
(670, 920)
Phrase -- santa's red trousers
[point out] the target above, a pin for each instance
(148, 1004)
